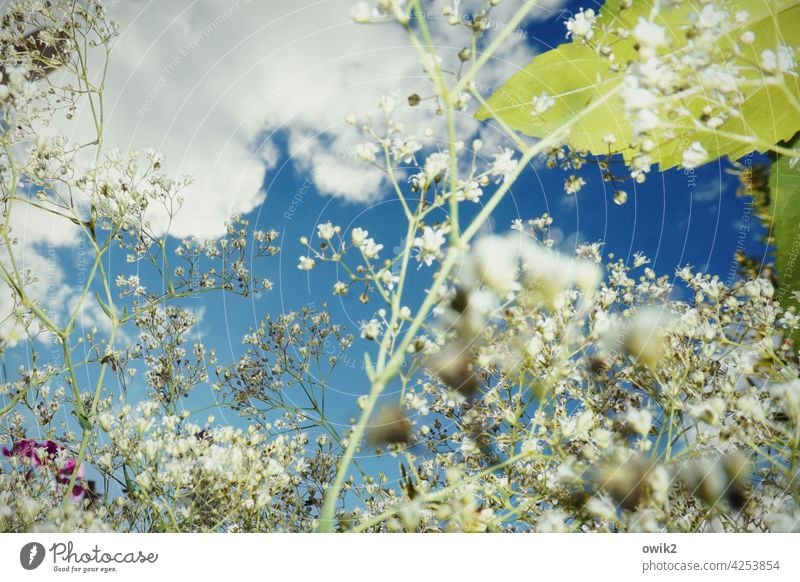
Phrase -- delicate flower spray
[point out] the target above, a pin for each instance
(564, 394)
(533, 391)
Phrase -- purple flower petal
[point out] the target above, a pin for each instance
(24, 448)
(77, 492)
(29, 448)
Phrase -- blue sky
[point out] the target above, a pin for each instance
(273, 167)
(676, 218)
(666, 218)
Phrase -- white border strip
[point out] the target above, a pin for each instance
(407, 557)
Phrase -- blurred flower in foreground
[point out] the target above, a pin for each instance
(52, 455)
(455, 367)
(391, 426)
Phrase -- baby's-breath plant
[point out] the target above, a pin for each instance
(529, 358)
(537, 391)
(114, 203)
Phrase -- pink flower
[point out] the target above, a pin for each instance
(46, 453)
(27, 448)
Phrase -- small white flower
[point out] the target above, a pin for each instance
(534, 346)
(144, 481)
(780, 62)
(573, 184)
(646, 337)
(370, 249)
(371, 329)
(751, 407)
(695, 155)
(602, 508)
(788, 397)
(494, 262)
(436, 164)
(429, 245)
(640, 420)
(430, 62)
(106, 421)
(306, 263)
(712, 19)
(403, 149)
(547, 273)
(542, 103)
(12, 336)
(504, 164)
(339, 288)
(717, 77)
(359, 235)
(388, 278)
(639, 259)
(366, 151)
(326, 231)
(650, 35)
(640, 165)
(472, 192)
(394, 8)
(362, 13)
(635, 97)
(581, 25)
(387, 103)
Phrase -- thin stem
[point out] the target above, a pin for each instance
(384, 376)
(495, 45)
(444, 492)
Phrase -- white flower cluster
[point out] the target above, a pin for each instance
(581, 25)
(203, 479)
(498, 271)
(617, 408)
(667, 93)
(549, 393)
(363, 12)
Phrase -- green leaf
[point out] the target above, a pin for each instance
(784, 190)
(130, 484)
(102, 305)
(84, 421)
(574, 75)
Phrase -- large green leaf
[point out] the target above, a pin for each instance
(575, 76)
(784, 189)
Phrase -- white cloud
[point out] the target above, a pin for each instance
(709, 192)
(39, 238)
(207, 81)
(216, 85)
(33, 226)
(56, 259)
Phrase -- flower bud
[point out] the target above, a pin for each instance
(391, 426)
(646, 338)
(454, 366)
